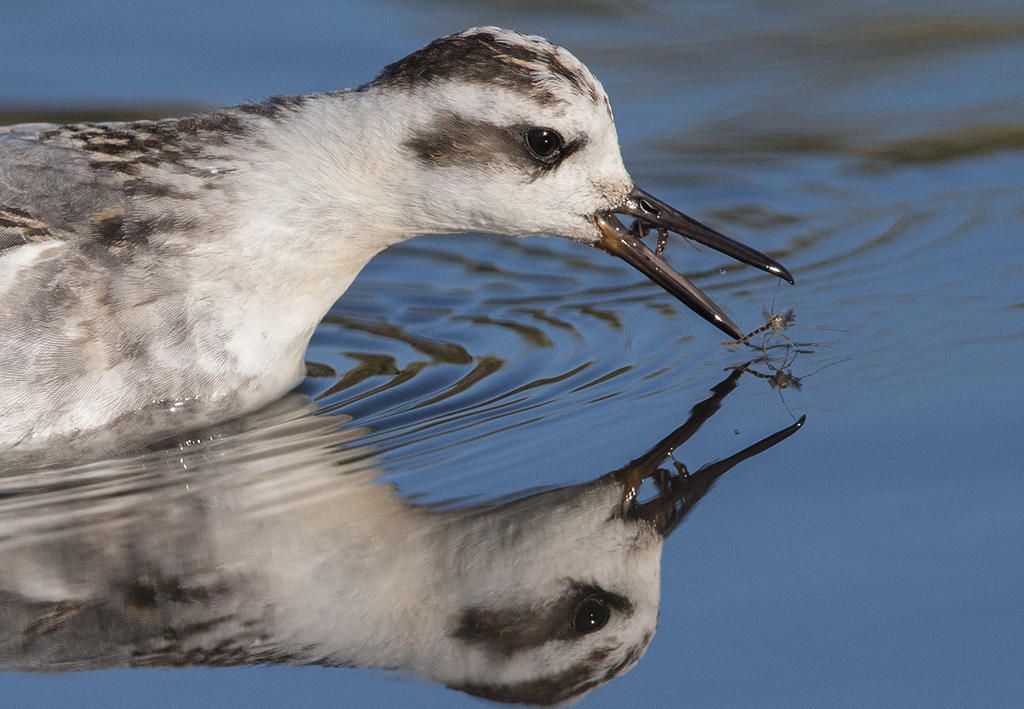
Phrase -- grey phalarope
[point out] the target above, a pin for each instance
(181, 265)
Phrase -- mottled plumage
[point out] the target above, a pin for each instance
(271, 540)
(156, 275)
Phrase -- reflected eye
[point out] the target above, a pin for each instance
(544, 143)
(591, 615)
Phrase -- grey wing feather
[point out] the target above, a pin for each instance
(50, 187)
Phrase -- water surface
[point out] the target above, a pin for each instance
(873, 559)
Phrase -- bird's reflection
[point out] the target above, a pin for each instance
(269, 543)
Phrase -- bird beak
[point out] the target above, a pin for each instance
(652, 213)
(678, 492)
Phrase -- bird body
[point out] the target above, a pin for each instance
(270, 540)
(297, 556)
(170, 273)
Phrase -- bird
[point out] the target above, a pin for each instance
(211, 555)
(157, 272)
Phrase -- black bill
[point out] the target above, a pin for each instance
(652, 213)
(678, 492)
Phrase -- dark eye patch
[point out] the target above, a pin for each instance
(585, 608)
(454, 140)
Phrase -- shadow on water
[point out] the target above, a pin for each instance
(269, 541)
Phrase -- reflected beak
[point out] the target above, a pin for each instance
(652, 213)
(678, 493)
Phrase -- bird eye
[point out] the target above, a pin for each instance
(544, 143)
(591, 615)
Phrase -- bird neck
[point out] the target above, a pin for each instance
(315, 191)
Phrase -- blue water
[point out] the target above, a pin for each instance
(873, 559)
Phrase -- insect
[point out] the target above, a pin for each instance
(779, 374)
(779, 379)
(774, 322)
